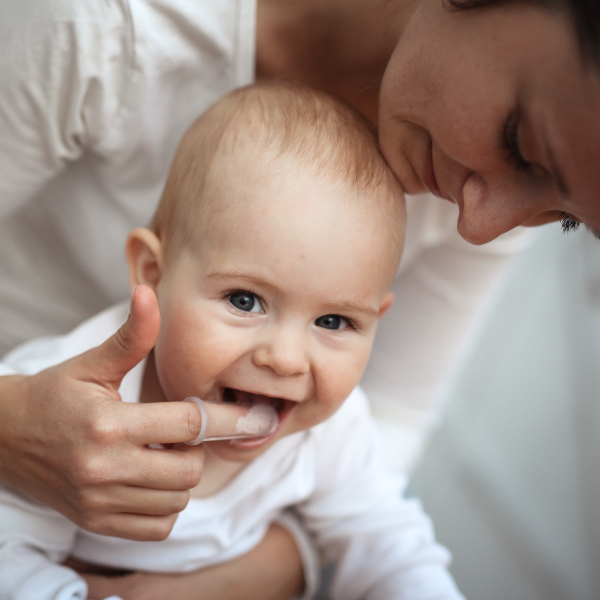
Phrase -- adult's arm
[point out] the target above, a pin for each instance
(441, 293)
(271, 571)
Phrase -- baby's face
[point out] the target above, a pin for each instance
(277, 302)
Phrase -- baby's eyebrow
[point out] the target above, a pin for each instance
(355, 306)
(239, 275)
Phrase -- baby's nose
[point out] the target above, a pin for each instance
(285, 354)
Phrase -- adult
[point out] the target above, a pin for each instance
(492, 107)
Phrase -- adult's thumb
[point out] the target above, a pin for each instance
(112, 360)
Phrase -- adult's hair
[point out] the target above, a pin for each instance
(584, 15)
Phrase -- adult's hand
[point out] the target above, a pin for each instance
(271, 571)
(68, 441)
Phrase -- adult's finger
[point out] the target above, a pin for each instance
(138, 527)
(159, 422)
(176, 422)
(108, 363)
(169, 469)
(132, 499)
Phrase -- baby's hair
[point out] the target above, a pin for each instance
(285, 122)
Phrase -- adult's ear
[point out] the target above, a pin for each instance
(145, 258)
(387, 301)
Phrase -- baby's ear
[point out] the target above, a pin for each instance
(387, 301)
(145, 258)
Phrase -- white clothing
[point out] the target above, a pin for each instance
(94, 97)
(332, 475)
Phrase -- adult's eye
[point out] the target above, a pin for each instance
(246, 302)
(332, 322)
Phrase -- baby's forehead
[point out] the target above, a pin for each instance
(282, 190)
(255, 171)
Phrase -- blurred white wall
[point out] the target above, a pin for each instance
(512, 476)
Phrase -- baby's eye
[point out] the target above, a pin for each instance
(246, 301)
(332, 322)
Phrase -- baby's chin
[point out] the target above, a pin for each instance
(236, 451)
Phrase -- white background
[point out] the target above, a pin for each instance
(512, 475)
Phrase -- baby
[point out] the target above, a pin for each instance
(277, 236)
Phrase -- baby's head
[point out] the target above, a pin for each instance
(271, 253)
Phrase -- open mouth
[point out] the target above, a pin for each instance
(282, 406)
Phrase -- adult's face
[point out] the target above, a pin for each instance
(494, 109)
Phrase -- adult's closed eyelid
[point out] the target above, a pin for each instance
(511, 143)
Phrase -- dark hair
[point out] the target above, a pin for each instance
(584, 14)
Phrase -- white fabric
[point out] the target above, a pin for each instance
(332, 475)
(442, 290)
(94, 97)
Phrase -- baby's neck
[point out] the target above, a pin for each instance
(217, 473)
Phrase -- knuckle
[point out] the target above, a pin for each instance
(92, 504)
(122, 338)
(106, 430)
(194, 472)
(194, 421)
(180, 502)
(162, 529)
(88, 472)
(80, 476)
(93, 523)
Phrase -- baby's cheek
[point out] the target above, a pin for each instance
(337, 385)
(342, 377)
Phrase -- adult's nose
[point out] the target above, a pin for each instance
(489, 210)
(283, 350)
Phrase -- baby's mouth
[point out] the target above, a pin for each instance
(282, 406)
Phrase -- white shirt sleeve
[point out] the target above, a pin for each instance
(64, 70)
(382, 544)
(34, 539)
(441, 293)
